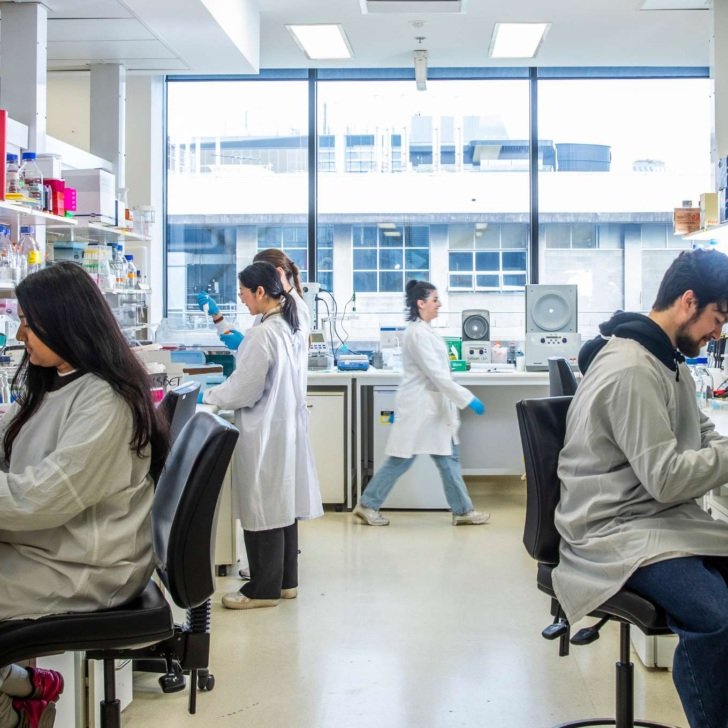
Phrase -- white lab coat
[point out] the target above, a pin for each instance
(426, 418)
(302, 335)
(274, 477)
(75, 506)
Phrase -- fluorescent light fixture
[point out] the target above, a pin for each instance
(421, 70)
(481, 225)
(321, 42)
(517, 40)
(675, 5)
(391, 234)
(387, 225)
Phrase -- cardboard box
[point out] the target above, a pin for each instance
(709, 213)
(686, 220)
(95, 193)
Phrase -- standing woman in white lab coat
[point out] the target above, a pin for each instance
(274, 476)
(290, 277)
(426, 419)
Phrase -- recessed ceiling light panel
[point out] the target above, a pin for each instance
(517, 40)
(321, 42)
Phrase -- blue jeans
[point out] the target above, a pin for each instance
(694, 594)
(384, 479)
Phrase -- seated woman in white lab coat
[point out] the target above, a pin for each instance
(426, 419)
(274, 476)
(79, 448)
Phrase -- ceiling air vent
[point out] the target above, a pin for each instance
(413, 6)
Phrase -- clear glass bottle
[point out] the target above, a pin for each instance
(130, 271)
(12, 178)
(30, 250)
(31, 179)
(119, 266)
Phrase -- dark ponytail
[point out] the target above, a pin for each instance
(265, 274)
(416, 291)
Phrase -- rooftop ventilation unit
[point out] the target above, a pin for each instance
(413, 6)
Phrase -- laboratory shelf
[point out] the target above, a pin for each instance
(717, 232)
(96, 232)
(24, 215)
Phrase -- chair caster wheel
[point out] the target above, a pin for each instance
(206, 682)
(172, 682)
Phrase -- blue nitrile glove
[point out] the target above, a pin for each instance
(200, 396)
(391, 417)
(203, 299)
(477, 406)
(232, 339)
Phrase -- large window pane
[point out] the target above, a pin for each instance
(237, 163)
(427, 179)
(625, 155)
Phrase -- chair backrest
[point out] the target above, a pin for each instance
(183, 511)
(542, 423)
(562, 382)
(178, 406)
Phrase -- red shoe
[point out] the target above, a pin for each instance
(35, 713)
(47, 684)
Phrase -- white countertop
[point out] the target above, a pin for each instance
(373, 377)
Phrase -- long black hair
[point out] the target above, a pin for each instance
(265, 274)
(416, 291)
(66, 310)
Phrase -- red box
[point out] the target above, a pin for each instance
(57, 203)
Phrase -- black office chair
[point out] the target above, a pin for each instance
(562, 381)
(178, 406)
(182, 526)
(542, 423)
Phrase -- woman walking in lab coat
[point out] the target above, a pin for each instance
(426, 419)
(274, 476)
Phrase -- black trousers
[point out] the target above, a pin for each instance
(273, 561)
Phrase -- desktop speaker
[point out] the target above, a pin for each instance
(476, 335)
(551, 308)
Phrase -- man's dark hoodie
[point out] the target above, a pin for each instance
(641, 329)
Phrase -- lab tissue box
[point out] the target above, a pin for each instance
(95, 193)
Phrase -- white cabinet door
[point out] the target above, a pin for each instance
(326, 426)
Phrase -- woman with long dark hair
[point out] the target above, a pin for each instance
(426, 419)
(290, 277)
(81, 446)
(274, 476)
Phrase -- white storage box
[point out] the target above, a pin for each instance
(50, 166)
(95, 193)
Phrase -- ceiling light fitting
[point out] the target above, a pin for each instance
(321, 42)
(420, 58)
(517, 40)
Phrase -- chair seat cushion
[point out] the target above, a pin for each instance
(625, 605)
(143, 621)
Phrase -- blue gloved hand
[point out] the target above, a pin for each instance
(203, 299)
(390, 419)
(477, 406)
(232, 339)
(200, 395)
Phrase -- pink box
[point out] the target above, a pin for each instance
(69, 199)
